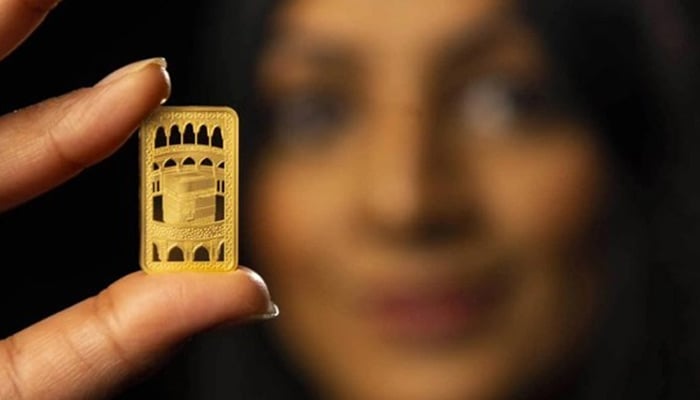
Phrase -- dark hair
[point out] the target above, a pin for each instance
(629, 66)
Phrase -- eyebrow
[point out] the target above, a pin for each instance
(323, 54)
(474, 43)
(336, 58)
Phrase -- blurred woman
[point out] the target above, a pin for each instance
(457, 200)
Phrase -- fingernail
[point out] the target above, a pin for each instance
(136, 67)
(272, 310)
(272, 313)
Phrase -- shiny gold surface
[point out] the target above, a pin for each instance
(189, 189)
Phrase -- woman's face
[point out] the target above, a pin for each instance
(422, 213)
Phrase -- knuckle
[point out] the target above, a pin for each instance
(63, 119)
(107, 322)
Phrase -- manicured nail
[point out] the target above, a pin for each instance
(272, 310)
(271, 313)
(135, 67)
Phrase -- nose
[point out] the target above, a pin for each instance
(395, 178)
(408, 183)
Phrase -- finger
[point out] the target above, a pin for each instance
(99, 345)
(18, 18)
(45, 144)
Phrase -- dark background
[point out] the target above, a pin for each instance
(70, 243)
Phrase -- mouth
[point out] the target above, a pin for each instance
(440, 312)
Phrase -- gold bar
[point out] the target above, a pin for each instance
(189, 189)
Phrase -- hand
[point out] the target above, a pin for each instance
(94, 348)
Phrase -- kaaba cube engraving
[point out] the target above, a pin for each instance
(189, 197)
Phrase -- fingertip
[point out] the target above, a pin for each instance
(151, 70)
(269, 307)
(204, 299)
(255, 277)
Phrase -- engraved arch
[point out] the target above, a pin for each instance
(169, 163)
(175, 135)
(203, 135)
(161, 139)
(156, 167)
(189, 136)
(206, 162)
(176, 254)
(188, 161)
(156, 256)
(201, 253)
(217, 140)
(220, 255)
(221, 165)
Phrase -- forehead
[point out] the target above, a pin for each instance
(409, 26)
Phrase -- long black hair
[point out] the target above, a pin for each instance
(630, 67)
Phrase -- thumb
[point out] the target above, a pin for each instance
(95, 347)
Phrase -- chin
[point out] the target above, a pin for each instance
(462, 380)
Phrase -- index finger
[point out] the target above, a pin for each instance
(18, 19)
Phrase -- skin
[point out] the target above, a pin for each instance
(98, 346)
(402, 166)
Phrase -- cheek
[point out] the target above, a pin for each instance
(540, 195)
(539, 201)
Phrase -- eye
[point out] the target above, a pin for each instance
(308, 116)
(498, 106)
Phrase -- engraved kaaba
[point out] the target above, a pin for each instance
(189, 189)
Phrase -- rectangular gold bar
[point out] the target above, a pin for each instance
(189, 189)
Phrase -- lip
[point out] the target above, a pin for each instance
(437, 313)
